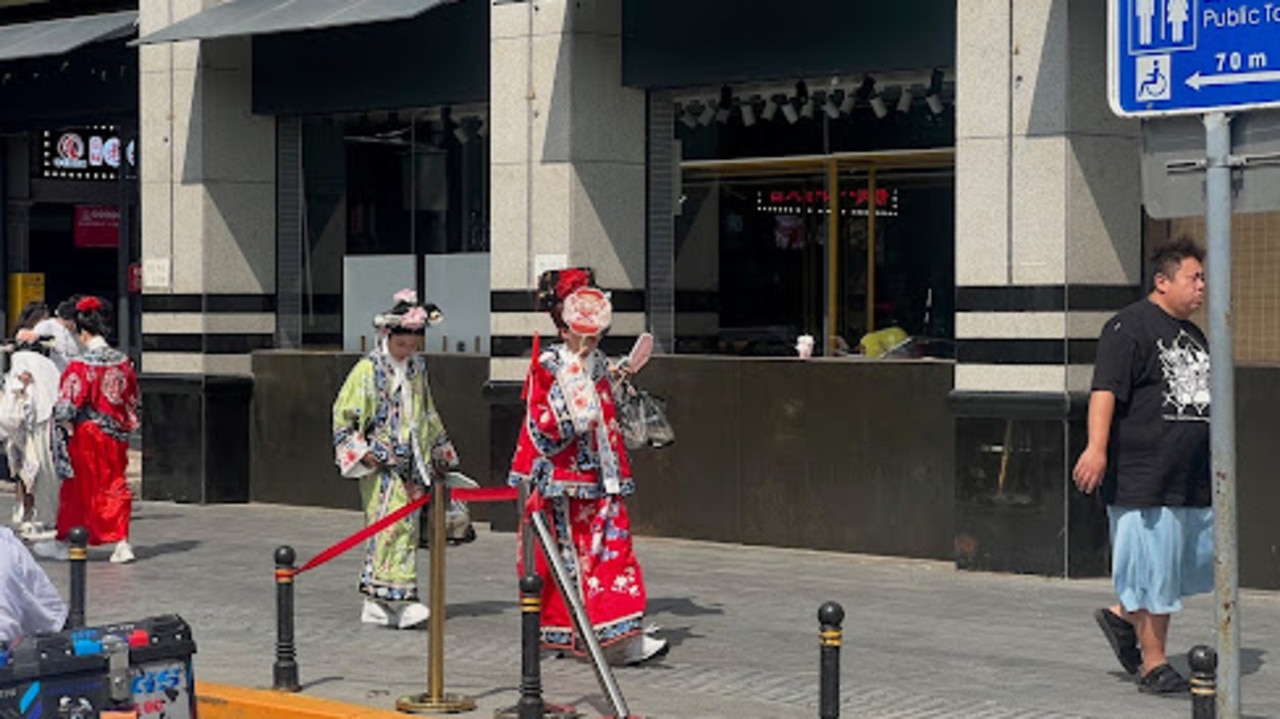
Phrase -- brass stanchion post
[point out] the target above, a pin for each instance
(435, 700)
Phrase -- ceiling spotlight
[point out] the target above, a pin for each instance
(846, 105)
(461, 134)
(725, 106)
(806, 110)
(789, 111)
(830, 107)
(904, 100)
(708, 114)
(749, 112)
(688, 118)
(867, 92)
(934, 96)
(770, 109)
(483, 127)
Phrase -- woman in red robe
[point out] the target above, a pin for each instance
(571, 452)
(96, 412)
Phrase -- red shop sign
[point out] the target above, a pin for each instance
(135, 277)
(97, 226)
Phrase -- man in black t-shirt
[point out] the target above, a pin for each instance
(1148, 450)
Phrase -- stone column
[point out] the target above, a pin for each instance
(208, 202)
(567, 168)
(1048, 217)
(207, 183)
(1048, 245)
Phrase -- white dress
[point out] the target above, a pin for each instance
(24, 421)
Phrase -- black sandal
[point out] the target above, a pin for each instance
(1164, 679)
(1123, 638)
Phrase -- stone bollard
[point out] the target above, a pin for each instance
(285, 670)
(830, 616)
(1204, 691)
(78, 555)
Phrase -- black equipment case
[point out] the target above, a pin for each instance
(142, 666)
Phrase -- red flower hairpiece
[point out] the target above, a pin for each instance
(89, 304)
(570, 280)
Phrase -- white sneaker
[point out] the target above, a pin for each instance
(16, 517)
(41, 533)
(376, 613)
(51, 549)
(413, 614)
(26, 531)
(123, 553)
(636, 650)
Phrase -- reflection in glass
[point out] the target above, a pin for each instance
(401, 182)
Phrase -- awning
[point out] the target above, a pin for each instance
(258, 17)
(55, 37)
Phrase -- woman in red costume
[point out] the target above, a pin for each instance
(97, 410)
(572, 453)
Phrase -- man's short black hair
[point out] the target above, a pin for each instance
(1168, 257)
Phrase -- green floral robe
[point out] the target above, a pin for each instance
(404, 431)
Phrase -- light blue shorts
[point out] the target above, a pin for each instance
(1160, 555)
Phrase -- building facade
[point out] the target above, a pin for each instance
(739, 176)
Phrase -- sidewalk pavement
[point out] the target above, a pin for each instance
(920, 638)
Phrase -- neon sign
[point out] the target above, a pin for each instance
(853, 201)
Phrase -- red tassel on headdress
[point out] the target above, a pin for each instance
(89, 304)
(533, 364)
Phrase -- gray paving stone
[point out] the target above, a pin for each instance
(921, 639)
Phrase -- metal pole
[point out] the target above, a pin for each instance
(830, 636)
(284, 672)
(570, 593)
(1203, 663)
(1222, 430)
(79, 555)
(435, 668)
(435, 700)
(871, 249)
(833, 257)
(527, 548)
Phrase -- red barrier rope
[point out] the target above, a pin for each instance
(483, 494)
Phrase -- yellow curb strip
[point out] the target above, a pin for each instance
(221, 701)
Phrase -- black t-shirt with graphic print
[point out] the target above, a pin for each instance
(1158, 368)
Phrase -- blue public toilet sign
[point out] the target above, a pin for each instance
(1177, 57)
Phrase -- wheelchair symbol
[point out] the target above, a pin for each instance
(1152, 74)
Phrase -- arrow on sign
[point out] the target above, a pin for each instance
(1198, 81)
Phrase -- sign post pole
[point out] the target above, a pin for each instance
(1222, 429)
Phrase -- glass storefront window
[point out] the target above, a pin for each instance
(752, 257)
(771, 172)
(412, 182)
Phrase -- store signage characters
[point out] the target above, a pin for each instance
(83, 153)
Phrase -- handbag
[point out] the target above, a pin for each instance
(642, 417)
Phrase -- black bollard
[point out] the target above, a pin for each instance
(1204, 685)
(78, 555)
(285, 670)
(530, 704)
(830, 616)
